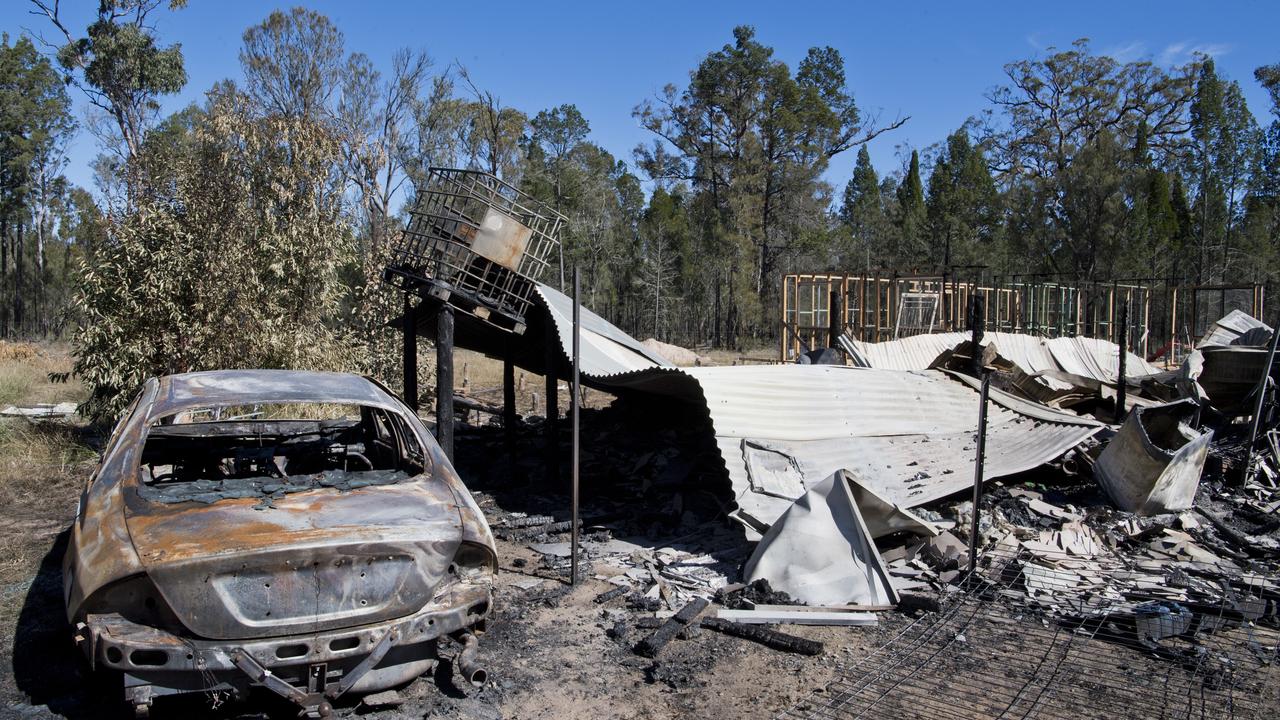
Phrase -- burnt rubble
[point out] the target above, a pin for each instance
(1053, 547)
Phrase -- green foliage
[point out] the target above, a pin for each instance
(35, 126)
(863, 213)
(123, 69)
(293, 62)
(963, 206)
(237, 270)
(912, 226)
(753, 140)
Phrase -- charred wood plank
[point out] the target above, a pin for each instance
(608, 595)
(650, 646)
(764, 636)
(534, 531)
(521, 522)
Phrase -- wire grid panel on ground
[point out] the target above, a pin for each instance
(991, 651)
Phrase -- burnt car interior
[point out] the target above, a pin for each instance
(202, 457)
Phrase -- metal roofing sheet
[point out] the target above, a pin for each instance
(1236, 328)
(916, 352)
(1089, 357)
(909, 434)
(606, 350)
(1097, 359)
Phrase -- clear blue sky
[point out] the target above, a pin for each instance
(932, 61)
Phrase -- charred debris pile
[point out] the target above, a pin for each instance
(1156, 520)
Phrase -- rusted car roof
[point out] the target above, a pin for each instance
(234, 387)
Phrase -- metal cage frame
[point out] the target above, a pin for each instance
(461, 248)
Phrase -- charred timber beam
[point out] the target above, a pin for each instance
(410, 386)
(552, 425)
(509, 417)
(532, 532)
(444, 380)
(608, 595)
(764, 636)
(650, 646)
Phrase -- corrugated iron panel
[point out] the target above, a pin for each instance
(916, 352)
(909, 434)
(606, 350)
(1235, 325)
(1089, 357)
(1097, 359)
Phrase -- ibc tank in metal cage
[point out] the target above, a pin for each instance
(477, 243)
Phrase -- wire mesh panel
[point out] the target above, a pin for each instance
(478, 242)
(1034, 636)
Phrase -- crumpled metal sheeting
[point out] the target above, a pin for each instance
(1097, 359)
(606, 350)
(1153, 465)
(1028, 352)
(922, 417)
(1236, 328)
(820, 551)
(1089, 357)
(916, 352)
(812, 402)
(909, 470)
(908, 435)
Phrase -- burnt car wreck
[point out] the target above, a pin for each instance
(295, 531)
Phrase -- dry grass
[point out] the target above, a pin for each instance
(43, 466)
(25, 370)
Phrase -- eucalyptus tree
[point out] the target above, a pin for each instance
(123, 70)
(753, 139)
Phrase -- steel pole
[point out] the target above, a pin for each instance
(1257, 403)
(978, 469)
(574, 403)
(1121, 382)
(977, 322)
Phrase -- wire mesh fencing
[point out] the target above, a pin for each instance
(1058, 635)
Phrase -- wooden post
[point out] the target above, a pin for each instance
(410, 387)
(444, 380)
(552, 425)
(835, 316)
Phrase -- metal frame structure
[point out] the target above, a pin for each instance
(1164, 318)
(478, 243)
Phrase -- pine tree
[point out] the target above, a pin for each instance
(863, 214)
(913, 246)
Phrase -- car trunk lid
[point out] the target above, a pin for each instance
(306, 562)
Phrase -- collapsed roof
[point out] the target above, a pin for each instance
(780, 429)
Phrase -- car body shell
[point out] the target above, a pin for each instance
(207, 597)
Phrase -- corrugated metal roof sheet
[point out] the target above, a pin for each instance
(780, 428)
(910, 435)
(606, 350)
(1096, 359)
(1089, 357)
(1236, 325)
